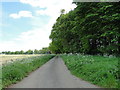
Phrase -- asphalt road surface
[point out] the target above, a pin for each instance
(53, 74)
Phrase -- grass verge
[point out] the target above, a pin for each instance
(99, 70)
(17, 70)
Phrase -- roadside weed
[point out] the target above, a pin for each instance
(17, 70)
(99, 70)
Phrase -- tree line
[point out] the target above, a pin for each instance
(91, 28)
(41, 51)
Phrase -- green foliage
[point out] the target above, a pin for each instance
(17, 70)
(29, 52)
(36, 51)
(0, 76)
(44, 50)
(99, 70)
(91, 28)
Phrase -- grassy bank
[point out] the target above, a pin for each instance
(99, 70)
(17, 70)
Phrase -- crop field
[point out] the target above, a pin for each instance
(17, 70)
(99, 70)
(8, 58)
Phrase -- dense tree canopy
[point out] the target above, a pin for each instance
(91, 28)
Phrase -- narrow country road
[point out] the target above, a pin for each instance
(53, 74)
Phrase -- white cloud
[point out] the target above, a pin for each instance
(38, 36)
(7, 46)
(33, 39)
(41, 12)
(21, 14)
(39, 3)
(53, 7)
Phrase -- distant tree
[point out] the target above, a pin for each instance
(3, 52)
(36, 51)
(29, 52)
(21, 52)
(17, 52)
(62, 11)
(8, 52)
(45, 50)
(12, 53)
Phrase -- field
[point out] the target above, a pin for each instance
(21, 67)
(99, 70)
(8, 58)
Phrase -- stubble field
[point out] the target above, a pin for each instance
(9, 58)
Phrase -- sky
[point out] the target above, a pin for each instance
(27, 24)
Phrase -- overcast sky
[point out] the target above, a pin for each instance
(26, 24)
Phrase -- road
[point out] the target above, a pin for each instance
(53, 74)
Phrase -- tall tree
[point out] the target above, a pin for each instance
(91, 28)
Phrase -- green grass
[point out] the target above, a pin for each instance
(0, 76)
(16, 71)
(99, 70)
